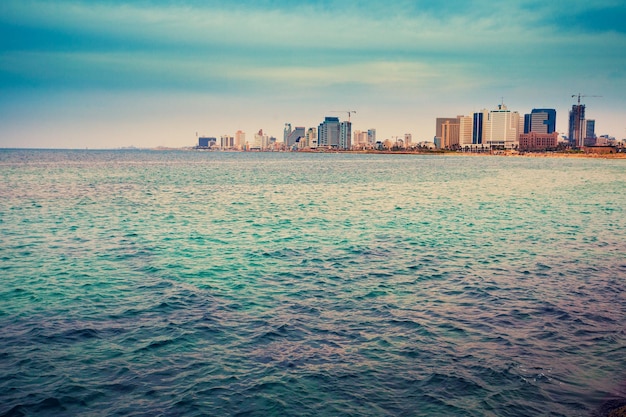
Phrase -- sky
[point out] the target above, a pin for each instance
(148, 73)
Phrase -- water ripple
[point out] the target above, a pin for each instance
(184, 283)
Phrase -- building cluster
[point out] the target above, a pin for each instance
(330, 134)
(260, 142)
(582, 131)
(486, 130)
(500, 128)
(503, 129)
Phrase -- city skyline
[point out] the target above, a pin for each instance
(111, 73)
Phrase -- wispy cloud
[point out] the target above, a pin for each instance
(326, 48)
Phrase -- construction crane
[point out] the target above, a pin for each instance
(344, 111)
(582, 95)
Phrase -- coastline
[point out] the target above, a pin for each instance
(486, 154)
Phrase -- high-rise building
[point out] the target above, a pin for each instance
(311, 137)
(240, 139)
(590, 129)
(478, 127)
(294, 136)
(540, 121)
(261, 141)
(439, 129)
(345, 135)
(450, 134)
(408, 139)
(577, 125)
(286, 132)
(371, 136)
(502, 128)
(328, 133)
(465, 130)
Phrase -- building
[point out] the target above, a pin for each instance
(345, 135)
(240, 139)
(408, 140)
(600, 150)
(206, 142)
(465, 131)
(449, 134)
(540, 121)
(286, 132)
(360, 139)
(371, 136)
(577, 125)
(328, 133)
(438, 129)
(478, 127)
(227, 142)
(261, 141)
(294, 136)
(590, 133)
(534, 141)
(501, 130)
(311, 137)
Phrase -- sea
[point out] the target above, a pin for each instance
(189, 283)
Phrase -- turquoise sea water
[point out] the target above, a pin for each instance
(147, 283)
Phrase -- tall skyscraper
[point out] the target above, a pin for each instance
(345, 135)
(577, 125)
(502, 128)
(328, 133)
(478, 127)
(286, 133)
(540, 121)
(465, 130)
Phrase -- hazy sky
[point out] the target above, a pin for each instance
(153, 73)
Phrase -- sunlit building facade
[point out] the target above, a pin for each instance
(465, 131)
(540, 121)
(328, 132)
(502, 128)
(240, 139)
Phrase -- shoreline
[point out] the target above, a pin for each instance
(621, 155)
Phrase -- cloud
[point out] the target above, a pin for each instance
(413, 52)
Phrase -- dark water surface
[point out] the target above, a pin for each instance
(234, 284)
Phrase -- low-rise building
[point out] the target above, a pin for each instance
(534, 141)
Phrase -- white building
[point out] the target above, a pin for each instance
(502, 128)
(311, 137)
(465, 130)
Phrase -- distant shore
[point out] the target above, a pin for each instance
(621, 155)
